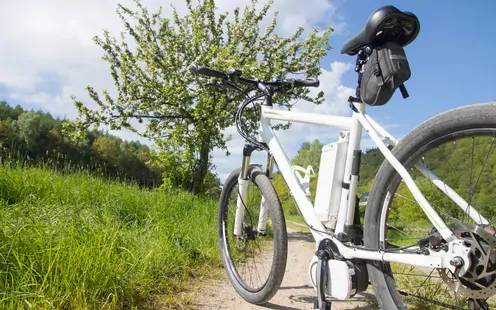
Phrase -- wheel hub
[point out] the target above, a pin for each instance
(479, 281)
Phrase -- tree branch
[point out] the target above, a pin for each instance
(152, 116)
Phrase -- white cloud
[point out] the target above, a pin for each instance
(56, 36)
(48, 53)
(294, 13)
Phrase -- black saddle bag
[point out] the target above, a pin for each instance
(386, 69)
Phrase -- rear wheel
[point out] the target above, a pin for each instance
(459, 147)
(255, 262)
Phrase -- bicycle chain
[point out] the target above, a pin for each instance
(435, 302)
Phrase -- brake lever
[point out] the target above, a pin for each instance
(291, 91)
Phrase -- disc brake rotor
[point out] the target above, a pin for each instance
(480, 280)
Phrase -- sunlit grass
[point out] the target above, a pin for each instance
(74, 241)
(426, 284)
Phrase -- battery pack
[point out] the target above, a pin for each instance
(330, 181)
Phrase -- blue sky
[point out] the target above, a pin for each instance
(50, 55)
(450, 59)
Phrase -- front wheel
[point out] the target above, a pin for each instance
(459, 147)
(255, 257)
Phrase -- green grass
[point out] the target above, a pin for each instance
(74, 241)
(294, 218)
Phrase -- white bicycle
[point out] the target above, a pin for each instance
(424, 241)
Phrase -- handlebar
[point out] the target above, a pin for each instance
(235, 75)
(310, 82)
(207, 71)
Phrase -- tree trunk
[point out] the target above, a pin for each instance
(201, 167)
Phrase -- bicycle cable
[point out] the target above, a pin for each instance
(240, 127)
(354, 247)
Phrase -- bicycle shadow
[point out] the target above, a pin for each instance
(299, 287)
(362, 297)
(335, 303)
(300, 236)
(277, 307)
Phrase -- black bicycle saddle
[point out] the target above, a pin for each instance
(385, 24)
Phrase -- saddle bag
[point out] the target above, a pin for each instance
(386, 69)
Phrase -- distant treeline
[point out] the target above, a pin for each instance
(468, 166)
(36, 137)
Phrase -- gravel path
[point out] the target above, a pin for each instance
(296, 291)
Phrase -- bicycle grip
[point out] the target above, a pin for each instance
(207, 71)
(310, 82)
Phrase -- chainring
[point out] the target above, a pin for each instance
(479, 282)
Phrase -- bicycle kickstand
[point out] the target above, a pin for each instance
(324, 255)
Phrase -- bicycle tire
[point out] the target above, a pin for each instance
(280, 251)
(459, 122)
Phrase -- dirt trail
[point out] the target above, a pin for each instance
(296, 291)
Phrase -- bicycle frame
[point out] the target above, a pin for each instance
(355, 124)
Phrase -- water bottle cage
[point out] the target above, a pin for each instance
(305, 180)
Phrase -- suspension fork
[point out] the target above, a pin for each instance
(243, 182)
(264, 210)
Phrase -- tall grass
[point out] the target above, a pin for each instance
(74, 241)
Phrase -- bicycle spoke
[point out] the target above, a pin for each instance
(443, 157)
(397, 216)
(467, 177)
(262, 262)
(480, 173)
(470, 179)
(430, 183)
(252, 263)
(415, 275)
(461, 161)
(424, 281)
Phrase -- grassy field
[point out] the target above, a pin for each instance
(74, 241)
